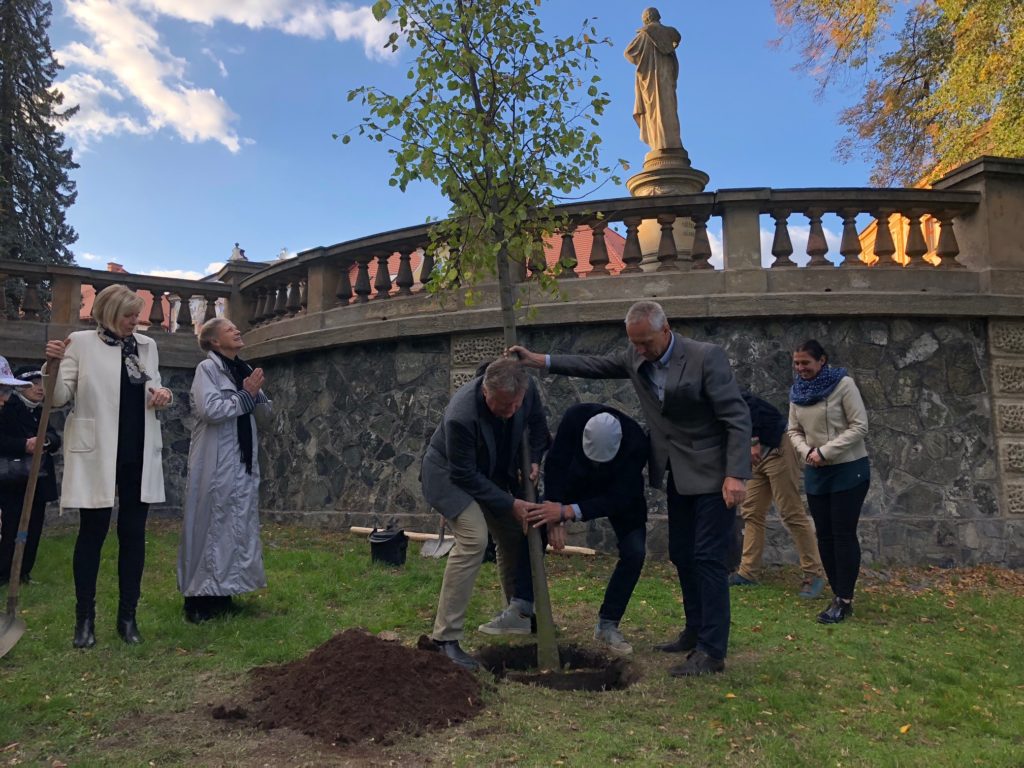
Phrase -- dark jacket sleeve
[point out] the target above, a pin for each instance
(537, 421)
(461, 447)
(12, 430)
(767, 422)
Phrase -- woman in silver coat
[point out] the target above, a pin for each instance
(220, 554)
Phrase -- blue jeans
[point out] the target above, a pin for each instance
(698, 544)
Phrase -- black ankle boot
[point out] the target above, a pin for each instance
(127, 628)
(197, 609)
(85, 632)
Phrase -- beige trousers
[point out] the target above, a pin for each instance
(469, 529)
(776, 478)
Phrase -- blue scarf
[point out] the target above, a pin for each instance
(810, 391)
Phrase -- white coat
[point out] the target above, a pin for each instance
(220, 551)
(90, 374)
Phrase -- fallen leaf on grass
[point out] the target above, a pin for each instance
(904, 728)
(730, 695)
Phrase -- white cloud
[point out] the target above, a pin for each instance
(125, 60)
(90, 257)
(214, 266)
(178, 274)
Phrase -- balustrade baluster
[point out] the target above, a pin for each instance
(701, 251)
(280, 308)
(303, 296)
(631, 255)
(817, 246)
(849, 246)
(884, 247)
(31, 307)
(363, 278)
(599, 249)
(782, 245)
(667, 255)
(293, 303)
(427, 267)
(344, 293)
(916, 247)
(210, 311)
(567, 256)
(404, 279)
(383, 281)
(257, 307)
(184, 311)
(947, 248)
(156, 311)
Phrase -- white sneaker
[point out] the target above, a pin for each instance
(509, 622)
(612, 637)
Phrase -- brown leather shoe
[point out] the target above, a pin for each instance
(698, 663)
(686, 642)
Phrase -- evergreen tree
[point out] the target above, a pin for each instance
(35, 188)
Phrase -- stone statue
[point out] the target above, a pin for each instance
(653, 51)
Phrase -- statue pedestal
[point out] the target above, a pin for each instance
(666, 172)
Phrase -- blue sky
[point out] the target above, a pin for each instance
(206, 122)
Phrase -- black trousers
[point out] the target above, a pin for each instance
(632, 544)
(10, 507)
(698, 543)
(835, 523)
(131, 541)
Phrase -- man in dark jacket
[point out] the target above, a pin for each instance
(594, 469)
(19, 423)
(471, 476)
(776, 469)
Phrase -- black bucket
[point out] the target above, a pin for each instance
(388, 546)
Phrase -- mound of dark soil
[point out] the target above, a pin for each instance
(358, 687)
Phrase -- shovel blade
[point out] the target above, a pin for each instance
(11, 630)
(437, 549)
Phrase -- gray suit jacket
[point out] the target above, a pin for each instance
(460, 458)
(701, 431)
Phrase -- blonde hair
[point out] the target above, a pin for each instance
(113, 302)
(208, 332)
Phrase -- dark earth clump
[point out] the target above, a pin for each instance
(357, 687)
(582, 669)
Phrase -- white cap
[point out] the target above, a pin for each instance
(602, 436)
(7, 378)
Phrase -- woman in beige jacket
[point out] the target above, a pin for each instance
(111, 441)
(827, 425)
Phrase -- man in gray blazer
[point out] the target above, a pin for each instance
(700, 434)
(470, 474)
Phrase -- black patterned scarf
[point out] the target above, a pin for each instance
(239, 371)
(129, 354)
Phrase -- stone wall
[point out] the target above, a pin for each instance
(351, 424)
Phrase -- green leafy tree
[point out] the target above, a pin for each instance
(945, 88)
(35, 187)
(501, 118)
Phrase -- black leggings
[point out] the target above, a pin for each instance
(131, 539)
(835, 523)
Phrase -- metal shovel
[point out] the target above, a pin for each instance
(438, 548)
(11, 626)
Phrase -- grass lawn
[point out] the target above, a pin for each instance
(929, 672)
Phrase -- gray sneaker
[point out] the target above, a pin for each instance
(509, 622)
(612, 637)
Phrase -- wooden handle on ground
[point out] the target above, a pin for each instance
(416, 536)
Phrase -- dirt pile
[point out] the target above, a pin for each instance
(357, 687)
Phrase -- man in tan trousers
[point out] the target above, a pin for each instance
(775, 472)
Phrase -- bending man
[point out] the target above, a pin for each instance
(470, 475)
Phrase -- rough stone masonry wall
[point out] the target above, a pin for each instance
(351, 424)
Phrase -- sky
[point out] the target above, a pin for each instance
(209, 122)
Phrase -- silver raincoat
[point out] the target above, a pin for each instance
(220, 551)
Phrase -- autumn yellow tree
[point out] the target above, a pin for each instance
(942, 80)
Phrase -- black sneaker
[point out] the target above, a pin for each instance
(453, 651)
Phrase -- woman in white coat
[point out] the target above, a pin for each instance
(111, 441)
(220, 553)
